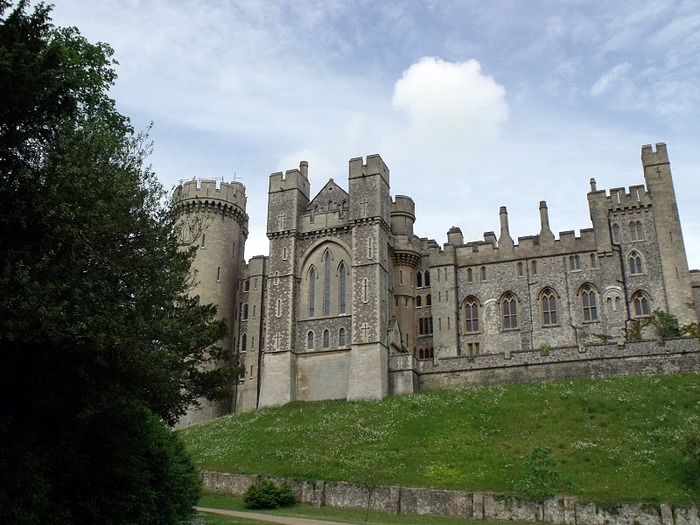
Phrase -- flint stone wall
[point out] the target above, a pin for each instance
(460, 504)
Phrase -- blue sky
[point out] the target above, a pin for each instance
(473, 105)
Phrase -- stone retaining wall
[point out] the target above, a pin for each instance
(461, 504)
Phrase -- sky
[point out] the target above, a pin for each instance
(473, 105)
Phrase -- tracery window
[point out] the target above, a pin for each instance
(589, 303)
(509, 309)
(471, 315)
(636, 231)
(548, 300)
(640, 305)
(635, 263)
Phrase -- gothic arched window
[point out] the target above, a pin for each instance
(326, 338)
(342, 286)
(419, 280)
(640, 305)
(635, 263)
(244, 342)
(636, 231)
(327, 283)
(509, 310)
(548, 300)
(471, 315)
(589, 302)
(341, 337)
(312, 290)
(310, 340)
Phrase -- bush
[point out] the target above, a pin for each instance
(266, 495)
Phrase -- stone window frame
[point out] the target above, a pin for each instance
(574, 262)
(520, 269)
(419, 301)
(310, 340)
(533, 267)
(426, 353)
(342, 337)
(244, 342)
(326, 338)
(471, 308)
(635, 263)
(616, 232)
(589, 295)
(470, 275)
(636, 229)
(426, 278)
(640, 305)
(509, 304)
(549, 307)
(482, 273)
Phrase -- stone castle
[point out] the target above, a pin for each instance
(351, 304)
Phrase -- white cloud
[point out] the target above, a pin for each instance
(452, 111)
(614, 75)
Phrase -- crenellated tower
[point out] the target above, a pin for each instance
(212, 216)
(674, 263)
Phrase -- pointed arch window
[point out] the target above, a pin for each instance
(342, 287)
(640, 305)
(589, 303)
(244, 342)
(483, 273)
(616, 233)
(635, 263)
(428, 300)
(534, 267)
(419, 301)
(520, 269)
(312, 290)
(471, 315)
(470, 275)
(636, 231)
(426, 278)
(326, 338)
(419, 280)
(594, 261)
(327, 283)
(548, 300)
(509, 309)
(341, 337)
(310, 340)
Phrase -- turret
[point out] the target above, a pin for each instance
(674, 264)
(546, 234)
(212, 216)
(505, 241)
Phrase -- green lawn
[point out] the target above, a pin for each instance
(617, 439)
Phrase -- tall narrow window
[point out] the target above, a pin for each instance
(245, 311)
(483, 273)
(401, 277)
(509, 307)
(369, 248)
(233, 250)
(520, 269)
(574, 262)
(419, 301)
(589, 303)
(278, 309)
(427, 278)
(471, 315)
(534, 267)
(312, 291)
(428, 300)
(635, 263)
(244, 342)
(342, 284)
(204, 238)
(640, 305)
(616, 233)
(470, 275)
(284, 253)
(365, 291)
(327, 284)
(218, 274)
(594, 261)
(310, 340)
(419, 280)
(326, 338)
(341, 337)
(636, 231)
(548, 300)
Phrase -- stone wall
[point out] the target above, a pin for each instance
(462, 504)
(594, 361)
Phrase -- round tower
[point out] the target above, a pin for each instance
(406, 257)
(212, 216)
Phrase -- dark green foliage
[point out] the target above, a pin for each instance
(539, 477)
(666, 324)
(266, 495)
(690, 447)
(95, 321)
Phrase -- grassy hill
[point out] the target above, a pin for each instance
(617, 439)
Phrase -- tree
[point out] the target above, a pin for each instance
(95, 318)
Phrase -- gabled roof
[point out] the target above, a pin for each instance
(330, 193)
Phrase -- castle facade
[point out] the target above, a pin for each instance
(351, 304)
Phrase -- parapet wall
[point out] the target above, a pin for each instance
(680, 355)
(480, 506)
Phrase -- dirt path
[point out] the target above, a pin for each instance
(267, 518)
